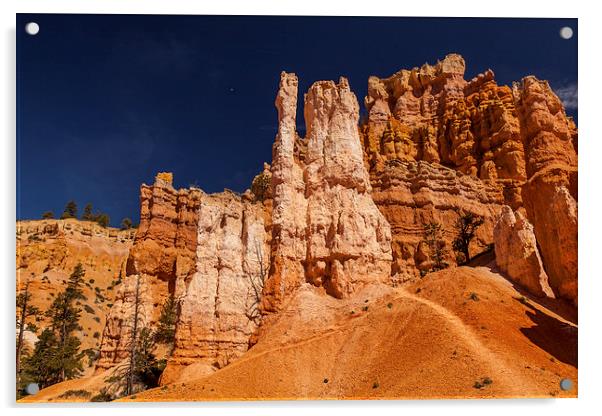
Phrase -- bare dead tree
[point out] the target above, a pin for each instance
(133, 339)
(257, 279)
(123, 377)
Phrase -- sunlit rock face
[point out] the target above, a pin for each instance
(47, 252)
(550, 193)
(326, 228)
(346, 206)
(516, 145)
(163, 253)
(219, 302)
(516, 252)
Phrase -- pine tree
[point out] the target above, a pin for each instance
(42, 366)
(166, 329)
(24, 310)
(466, 228)
(103, 219)
(87, 215)
(126, 224)
(62, 348)
(70, 210)
(76, 282)
(147, 369)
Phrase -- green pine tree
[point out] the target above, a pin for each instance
(87, 215)
(166, 328)
(24, 311)
(103, 219)
(42, 367)
(70, 210)
(141, 369)
(126, 224)
(56, 356)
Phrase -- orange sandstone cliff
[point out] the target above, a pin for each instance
(347, 203)
(48, 251)
(339, 214)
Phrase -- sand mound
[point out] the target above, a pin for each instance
(459, 333)
(463, 332)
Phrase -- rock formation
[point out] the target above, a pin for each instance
(550, 194)
(516, 252)
(516, 144)
(163, 253)
(432, 114)
(219, 303)
(345, 207)
(326, 227)
(411, 194)
(48, 251)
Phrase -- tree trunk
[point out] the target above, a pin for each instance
(131, 370)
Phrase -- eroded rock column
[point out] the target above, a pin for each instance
(219, 304)
(550, 194)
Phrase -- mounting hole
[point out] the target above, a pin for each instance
(566, 32)
(566, 384)
(32, 388)
(32, 28)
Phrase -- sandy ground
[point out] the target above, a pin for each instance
(459, 333)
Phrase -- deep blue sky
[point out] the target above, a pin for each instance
(106, 101)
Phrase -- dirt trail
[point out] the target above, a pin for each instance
(512, 378)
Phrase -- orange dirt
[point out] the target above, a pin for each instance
(427, 340)
(431, 339)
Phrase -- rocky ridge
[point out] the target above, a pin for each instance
(344, 207)
(516, 144)
(48, 251)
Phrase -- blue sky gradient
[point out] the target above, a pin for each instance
(106, 101)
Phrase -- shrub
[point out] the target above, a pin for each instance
(96, 334)
(485, 381)
(70, 210)
(48, 215)
(103, 396)
(126, 224)
(466, 227)
(75, 393)
(261, 186)
(474, 296)
(523, 300)
(88, 309)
